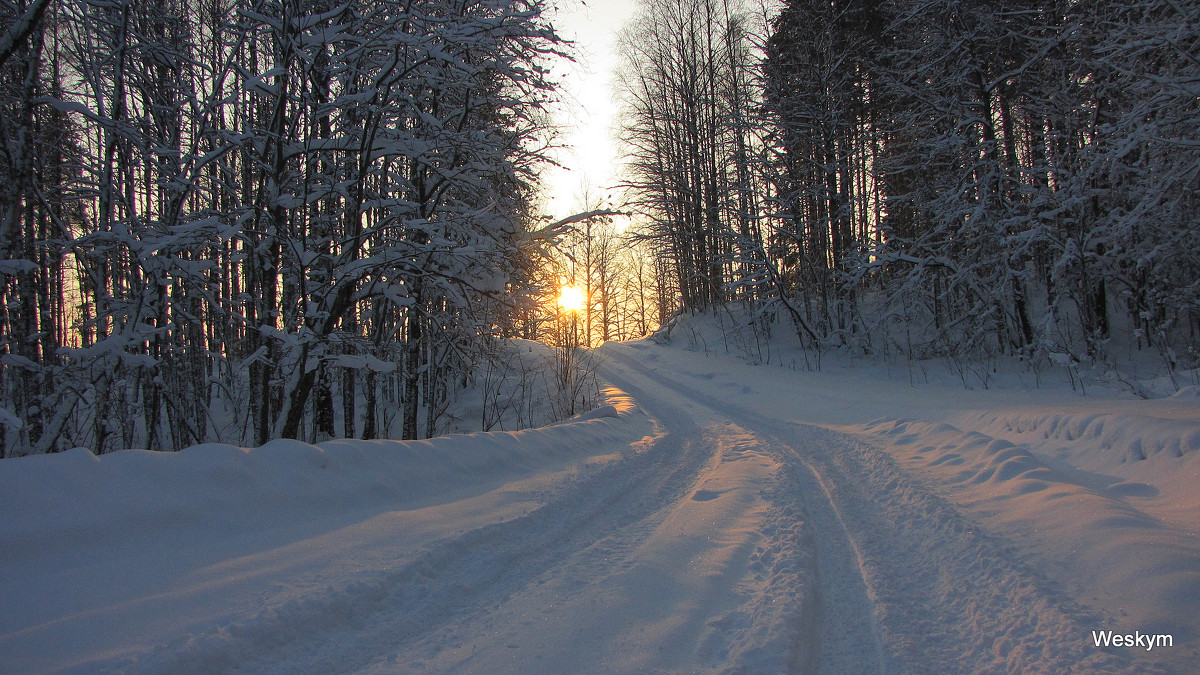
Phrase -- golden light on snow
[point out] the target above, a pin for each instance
(571, 299)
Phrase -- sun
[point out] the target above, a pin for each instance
(571, 299)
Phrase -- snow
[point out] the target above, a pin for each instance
(710, 516)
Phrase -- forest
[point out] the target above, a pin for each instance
(931, 179)
(242, 220)
(239, 220)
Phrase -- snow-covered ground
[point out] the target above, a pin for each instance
(713, 516)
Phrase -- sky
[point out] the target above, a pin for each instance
(588, 114)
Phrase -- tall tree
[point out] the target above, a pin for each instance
(683, 132)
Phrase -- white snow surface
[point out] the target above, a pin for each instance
(712, 516)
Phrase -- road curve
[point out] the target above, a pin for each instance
(898, 579)
(724, 540)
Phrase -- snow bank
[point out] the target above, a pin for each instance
(1118, 437)
(49, 501)
(97, 550)
(1121, 540)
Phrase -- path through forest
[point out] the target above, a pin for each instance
(708, 519)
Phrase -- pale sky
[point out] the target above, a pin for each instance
(587, 115)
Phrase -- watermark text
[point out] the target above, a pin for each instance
(1136, 639)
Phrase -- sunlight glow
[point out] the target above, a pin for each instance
(590, 156)
(571, 299)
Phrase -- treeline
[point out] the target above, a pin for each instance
(238, 220)
(930, 177)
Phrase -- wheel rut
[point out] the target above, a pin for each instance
(440, 587)
(904, 582)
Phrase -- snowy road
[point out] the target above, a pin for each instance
(896, 579)
(711, 519)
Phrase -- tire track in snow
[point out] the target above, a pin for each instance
(358, 626)
(845, 641)
(836, 618)
(761, 634)
(943, 595)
